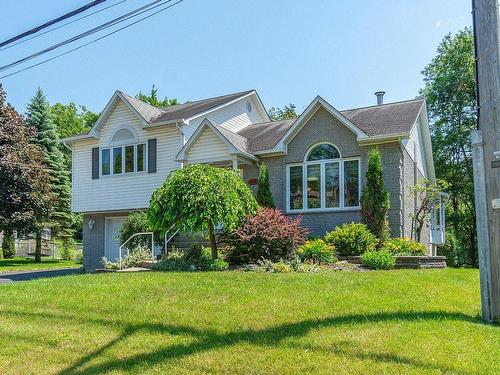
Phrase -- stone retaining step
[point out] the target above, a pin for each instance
(406, 261)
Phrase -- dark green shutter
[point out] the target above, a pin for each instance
(95, 163)
(151, 155)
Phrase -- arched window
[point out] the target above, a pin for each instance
(125, 154)
(123, 135)
(324, 181)
(323, 151)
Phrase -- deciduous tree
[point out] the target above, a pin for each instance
(25, 195)
(288, 112)
(451, 100)
(153, 99)
(199, 198)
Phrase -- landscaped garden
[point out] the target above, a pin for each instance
(401, 321)
(28, 264)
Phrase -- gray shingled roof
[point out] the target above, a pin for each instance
(265, 135)
(385, 119)
(391, 118)
(146, 110)
(154, 115)
(241, 143)
(190, 109)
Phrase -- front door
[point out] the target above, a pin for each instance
(112, 248)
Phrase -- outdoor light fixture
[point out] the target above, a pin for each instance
(91, 223)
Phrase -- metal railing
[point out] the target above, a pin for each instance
(168, 239)
(133, 236)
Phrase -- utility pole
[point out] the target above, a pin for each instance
(486, 152)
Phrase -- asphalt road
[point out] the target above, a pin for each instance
(8, 277)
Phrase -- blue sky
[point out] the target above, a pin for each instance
(290, 51)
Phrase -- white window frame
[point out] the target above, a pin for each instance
(123, 173)
(322, 164)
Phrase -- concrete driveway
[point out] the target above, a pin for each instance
(8, 277)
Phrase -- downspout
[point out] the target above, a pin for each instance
(403, 194)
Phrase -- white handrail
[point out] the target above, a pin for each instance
(135, 235)
(168, 239)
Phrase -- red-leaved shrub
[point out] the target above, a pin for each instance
(266, 235)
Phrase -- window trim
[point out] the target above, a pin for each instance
(123, 173)
(322, 163)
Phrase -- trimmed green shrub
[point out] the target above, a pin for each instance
(352, 239)
(137, 222)
(378, 260)
(317, 251)
(375, 200)
(67, 248)
(264, 195)
(403, 246)
(197, 258)
(8, 249)
(266, 235)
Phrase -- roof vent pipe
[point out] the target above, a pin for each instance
(380, 97)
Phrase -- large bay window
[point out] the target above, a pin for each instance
(123, 159)
(324, 181)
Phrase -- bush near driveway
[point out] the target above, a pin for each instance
(197, 258)
(352, 239)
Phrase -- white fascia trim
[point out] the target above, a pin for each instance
(75, 138)
(378, 139)
(426, 139)
(206, 123)
(106, 111)
(311, 109)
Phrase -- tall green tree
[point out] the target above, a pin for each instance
(375, 200)
(153, 99)
(451, 101)
(59, 219)
(285, 113)
(70, 119)
(198, 198)
(264, 194)
(25, 196)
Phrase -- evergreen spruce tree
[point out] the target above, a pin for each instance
(264, 195)
(59, 218)
(375, 200)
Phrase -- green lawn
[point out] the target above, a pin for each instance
(386, 322)
(26, 264)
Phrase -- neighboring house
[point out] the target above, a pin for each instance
(316, 162)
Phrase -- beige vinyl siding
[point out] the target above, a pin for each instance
(126, 191)
(209, 146)
(233, 117)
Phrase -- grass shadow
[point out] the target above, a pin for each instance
(272, 336)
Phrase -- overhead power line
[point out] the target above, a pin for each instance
(92, 41)
(24, 40)
(105, 25)
(52, 22)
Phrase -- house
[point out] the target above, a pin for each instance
(316, 162)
